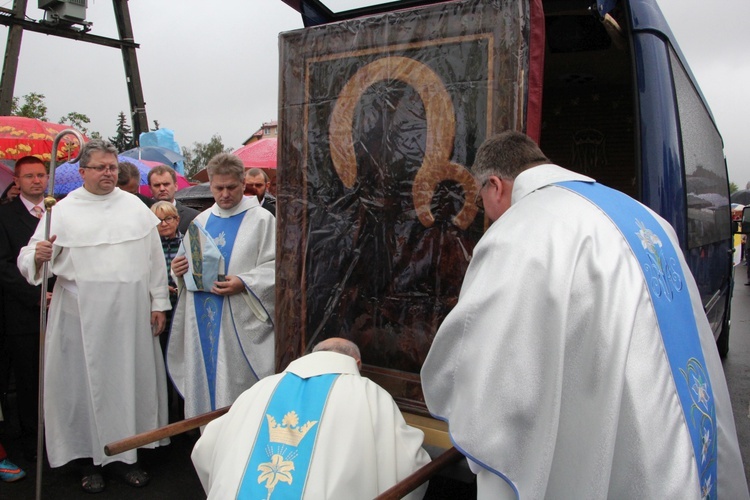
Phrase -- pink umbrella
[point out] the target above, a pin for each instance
(182, 182)
(6, 176)
(258, 154)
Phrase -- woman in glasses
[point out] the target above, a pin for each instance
(171, 238)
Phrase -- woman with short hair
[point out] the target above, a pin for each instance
(171, 239)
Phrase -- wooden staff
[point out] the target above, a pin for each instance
(170, 430)
(49, 202)
(399, 490)
(420, 476)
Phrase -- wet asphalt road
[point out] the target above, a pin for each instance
(737, 363)
(173, 477)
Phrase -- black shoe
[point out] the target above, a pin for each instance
(130, 474)
(92, 480)
(747, 284)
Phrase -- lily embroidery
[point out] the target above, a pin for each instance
(274, 471)
(700, 389)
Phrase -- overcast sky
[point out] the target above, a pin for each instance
(207, 67)
(211, 67)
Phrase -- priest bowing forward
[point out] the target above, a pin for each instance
(221, 341)
(317, 430)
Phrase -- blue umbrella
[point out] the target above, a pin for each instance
(154, 153)
(67, 177)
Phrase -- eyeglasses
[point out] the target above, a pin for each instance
(168, 219)
(478, 201)
(28, 177)
(102, 168)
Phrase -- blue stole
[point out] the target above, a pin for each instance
(282, 448)
(209, 307)
(674, 312)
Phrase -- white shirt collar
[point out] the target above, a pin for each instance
(30, 206)
(540, 176)
(322, 362)
(246, 203)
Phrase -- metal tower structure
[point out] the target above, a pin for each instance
(16, 20)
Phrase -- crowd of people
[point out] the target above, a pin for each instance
(595, 385)
(157, 312)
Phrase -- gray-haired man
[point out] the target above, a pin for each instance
(104, 371)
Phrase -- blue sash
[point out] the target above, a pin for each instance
(209, 307)
(224, 232)
(281, 448)
(674, 313)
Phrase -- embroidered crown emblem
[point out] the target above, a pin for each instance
(289, 431)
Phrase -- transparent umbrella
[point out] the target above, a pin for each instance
(154, 153)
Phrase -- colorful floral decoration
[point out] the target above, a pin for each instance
(20, 136)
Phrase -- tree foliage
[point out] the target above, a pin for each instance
(733, 188)
(197, 157)
(78, 121)
(123, 138)
(33, 107)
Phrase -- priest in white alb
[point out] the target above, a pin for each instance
(578, 361)
(221, 341)
(317, 430)
(104, 372)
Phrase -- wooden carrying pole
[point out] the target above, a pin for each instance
(170, 430)
(399, 490)
(420, 476)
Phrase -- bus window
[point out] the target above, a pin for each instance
(705, 172)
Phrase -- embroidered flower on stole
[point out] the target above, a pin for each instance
(700, 388)
(221, 240)
(661, 273)
(289, 433)
(648, 239)
(706, 489)
(705, 441)
(702, 415)
(274, 471)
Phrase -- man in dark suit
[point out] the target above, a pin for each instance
(163, 183)
(257, 183)
(18, 220)
(129, 179)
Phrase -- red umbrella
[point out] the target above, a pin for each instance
(21, 136)
(258, 154)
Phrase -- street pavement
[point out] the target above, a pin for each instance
(737, 363)
(173, 477)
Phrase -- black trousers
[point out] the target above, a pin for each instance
(23, 351)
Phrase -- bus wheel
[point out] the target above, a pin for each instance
(722, 343)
